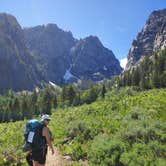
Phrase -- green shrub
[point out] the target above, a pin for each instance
(76, 151)
(142, 154)
(105, 151)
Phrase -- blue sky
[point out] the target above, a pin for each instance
(115, 22)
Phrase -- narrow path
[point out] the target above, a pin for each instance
(57, 159)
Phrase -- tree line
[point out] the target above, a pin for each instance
(26, 105)
(150, 73)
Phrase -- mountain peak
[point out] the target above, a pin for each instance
(150, 39)
(7, 21)
(51, 25)
(90, 40)
(159, 13)
(93, 39)
(7, 16)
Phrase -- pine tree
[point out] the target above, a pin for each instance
(155, 76)
(77, 99)
(71, 94)
(93, 94)
(163, 79)
(25, 109)
(34, 103)
(64, 94)
(16, 109)
(103, 91)
(55, 103)
(47, 100)
(135, 77)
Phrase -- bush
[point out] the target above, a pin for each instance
(77, 129)
(143, 154)
(77, 152)
(105, 151)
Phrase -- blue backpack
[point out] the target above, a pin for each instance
(30, 134)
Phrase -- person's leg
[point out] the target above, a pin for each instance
(29, 159)
(39, 156)
(43, 156)
(36, 155)
(36, 163)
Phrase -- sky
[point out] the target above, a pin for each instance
(115, 22)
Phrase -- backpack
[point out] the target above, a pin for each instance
(30, 134)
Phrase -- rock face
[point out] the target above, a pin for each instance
(16, 64)
(46, 53)
(67, 59)
(151, 38)
(50, 47)
(91, 60)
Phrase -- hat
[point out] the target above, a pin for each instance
(45, 116)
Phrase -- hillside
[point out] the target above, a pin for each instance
(149, 73)
(125, 128)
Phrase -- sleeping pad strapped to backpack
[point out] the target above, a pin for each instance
(33, 135)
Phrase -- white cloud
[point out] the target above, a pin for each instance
(123, 62)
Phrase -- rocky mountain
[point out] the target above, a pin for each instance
(46, 53)
(150, 39)
(67, 59)
(50, 47)
(16, 63)
(91, 60)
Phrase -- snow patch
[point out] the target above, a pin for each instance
(68, 75)
(98, 73)
(51, 83)
(123, 62)
(105, 68)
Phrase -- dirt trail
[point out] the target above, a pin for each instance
(57, 159)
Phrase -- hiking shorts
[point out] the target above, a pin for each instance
(39, 155)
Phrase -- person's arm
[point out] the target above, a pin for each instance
(51, 136)
(49, 142)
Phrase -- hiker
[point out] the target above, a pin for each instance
(39, 152)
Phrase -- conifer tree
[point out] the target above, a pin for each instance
(103, 91)
(15, 109)
(55, 103)
(71, 94)
(47, 100)
(135, 77)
